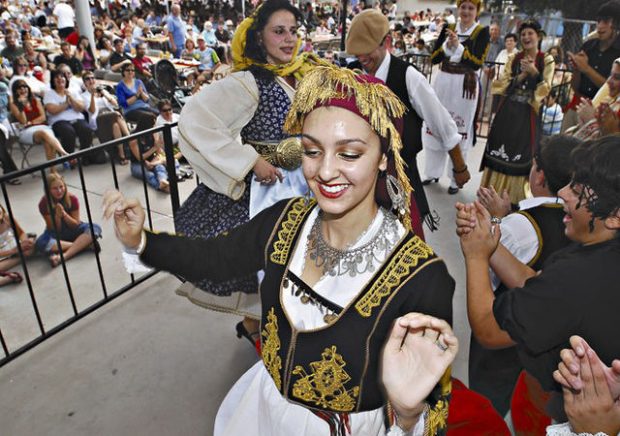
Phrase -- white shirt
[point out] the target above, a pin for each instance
(160, 121)
(68, 114)
(519, 235)
(64, 15)
(101, 103)
(425, 102)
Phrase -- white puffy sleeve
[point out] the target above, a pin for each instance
(209, 133)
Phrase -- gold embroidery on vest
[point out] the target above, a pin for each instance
(325, 386)
(437, 416)
(400, 266)
(288, 229)
(270, 348)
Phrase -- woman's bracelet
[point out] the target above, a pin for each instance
(461, 171)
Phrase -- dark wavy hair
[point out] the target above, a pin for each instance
(554, 158)
(597, 169)
(55, 73)
(14, 87)
(253, 48)
(610, 11)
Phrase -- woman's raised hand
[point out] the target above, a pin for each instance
(128, 217)
(416, 354)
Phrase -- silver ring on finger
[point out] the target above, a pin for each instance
(441, 345)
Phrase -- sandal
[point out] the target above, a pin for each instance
(123, 160)
(13, 275)
(14, 182)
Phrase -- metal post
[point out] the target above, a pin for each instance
(343, 23)
(171, 169)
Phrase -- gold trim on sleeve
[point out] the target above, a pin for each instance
(399, 267)
(288, 229)
(270, 347)
(325, 385)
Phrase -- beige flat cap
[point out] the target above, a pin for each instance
(368, 29)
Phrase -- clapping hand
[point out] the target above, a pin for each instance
(593, 406)
(128, 217)
(497, 205)
(528, 66)
(482, 239)
(607, 119)
(568, 370)
(585, 110)
(416, 354)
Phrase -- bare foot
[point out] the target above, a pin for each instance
(164, 186)
(54, 260)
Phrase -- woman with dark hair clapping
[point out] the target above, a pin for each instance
(29, 112)
(65, 112)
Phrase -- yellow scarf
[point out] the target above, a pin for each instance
(298, 67)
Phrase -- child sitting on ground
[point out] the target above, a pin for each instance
(62, 223)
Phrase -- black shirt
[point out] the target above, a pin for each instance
(73, 62)
(575, 294)
(116, 58)
(601, 61)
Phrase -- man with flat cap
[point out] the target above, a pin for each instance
(367, 40)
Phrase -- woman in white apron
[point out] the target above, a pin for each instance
(460, 50)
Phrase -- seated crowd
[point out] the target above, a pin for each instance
(59, 90)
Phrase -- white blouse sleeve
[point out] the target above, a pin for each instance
(209, 128)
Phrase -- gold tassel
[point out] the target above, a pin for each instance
(374, 101)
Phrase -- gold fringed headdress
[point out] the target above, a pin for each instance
(297, 68)
(363, 95)
(477, 3)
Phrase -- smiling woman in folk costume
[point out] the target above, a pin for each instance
(515, 133)
(342, 262)
(460, 49)
(231, 133)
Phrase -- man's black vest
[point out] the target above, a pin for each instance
(412, 130)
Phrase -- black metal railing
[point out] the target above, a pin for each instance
(44, 331)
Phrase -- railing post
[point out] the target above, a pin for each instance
(171, 168)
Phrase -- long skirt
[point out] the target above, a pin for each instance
(510, 147)
(207, 214)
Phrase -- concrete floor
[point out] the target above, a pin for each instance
(150, 362)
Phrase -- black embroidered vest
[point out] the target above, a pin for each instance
(412, 130)
(333, 368)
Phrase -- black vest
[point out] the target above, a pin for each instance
(494, 373)
(335, 377)
(412, 130)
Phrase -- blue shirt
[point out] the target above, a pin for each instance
(123, 93)
(176, 27)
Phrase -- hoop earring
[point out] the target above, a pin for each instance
(397, 194)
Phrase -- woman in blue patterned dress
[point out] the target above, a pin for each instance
(231, 133)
